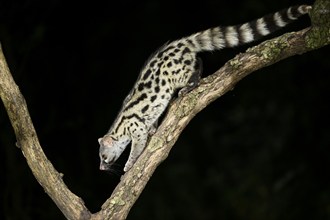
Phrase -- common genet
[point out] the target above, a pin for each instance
(172, 68)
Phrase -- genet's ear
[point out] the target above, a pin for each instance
(105, 141)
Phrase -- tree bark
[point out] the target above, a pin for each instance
(179, 114)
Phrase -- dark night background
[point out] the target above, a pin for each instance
(259, 152)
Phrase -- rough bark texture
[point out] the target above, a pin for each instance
(27, 139)
(179, 114)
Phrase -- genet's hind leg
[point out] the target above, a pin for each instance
(153, 128)
(194, 79)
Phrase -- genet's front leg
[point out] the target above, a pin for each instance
(139, 142)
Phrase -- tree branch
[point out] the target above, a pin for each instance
(27, 139)
(181, 111)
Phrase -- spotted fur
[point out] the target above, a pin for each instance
(175, 66)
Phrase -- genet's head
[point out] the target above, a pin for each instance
(108, 152)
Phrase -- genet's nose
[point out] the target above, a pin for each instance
(103, 167)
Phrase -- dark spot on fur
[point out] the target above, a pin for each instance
(187, 62)
(144, 109)
(147, 74)
(152, 63)
(186, 50)
(148, 84)
(140, 86)
(153, 98)
(180, 45)
(139, 99)
(191, 43)
(175, 72)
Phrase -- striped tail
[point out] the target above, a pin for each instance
(231, 36)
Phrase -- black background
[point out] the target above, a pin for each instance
(259, 152)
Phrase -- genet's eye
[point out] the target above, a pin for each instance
(104, 157)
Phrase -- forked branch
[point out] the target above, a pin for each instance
(179, 114)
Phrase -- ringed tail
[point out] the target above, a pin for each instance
(231, 36)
